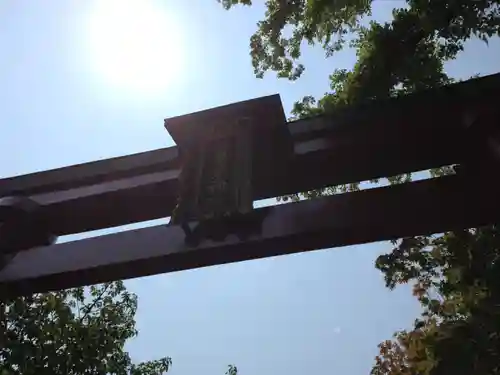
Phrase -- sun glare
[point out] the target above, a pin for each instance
(135, 45)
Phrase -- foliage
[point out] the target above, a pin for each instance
(276, 45)
(76, 331)
(232, 370)
(455, 275)
(323, 21)
(455, 278)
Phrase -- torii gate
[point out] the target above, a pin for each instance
(263, 157)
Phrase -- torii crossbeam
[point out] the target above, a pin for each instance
(457, 124)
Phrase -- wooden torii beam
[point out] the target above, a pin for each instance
(379, 139)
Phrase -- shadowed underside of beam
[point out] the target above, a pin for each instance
(423, 207)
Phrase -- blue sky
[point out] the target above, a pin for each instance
(62, 105)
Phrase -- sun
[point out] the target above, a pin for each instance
(135, 45)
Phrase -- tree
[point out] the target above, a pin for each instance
(455, 275)
(76, 331)
(329, 23)
(455, 278)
